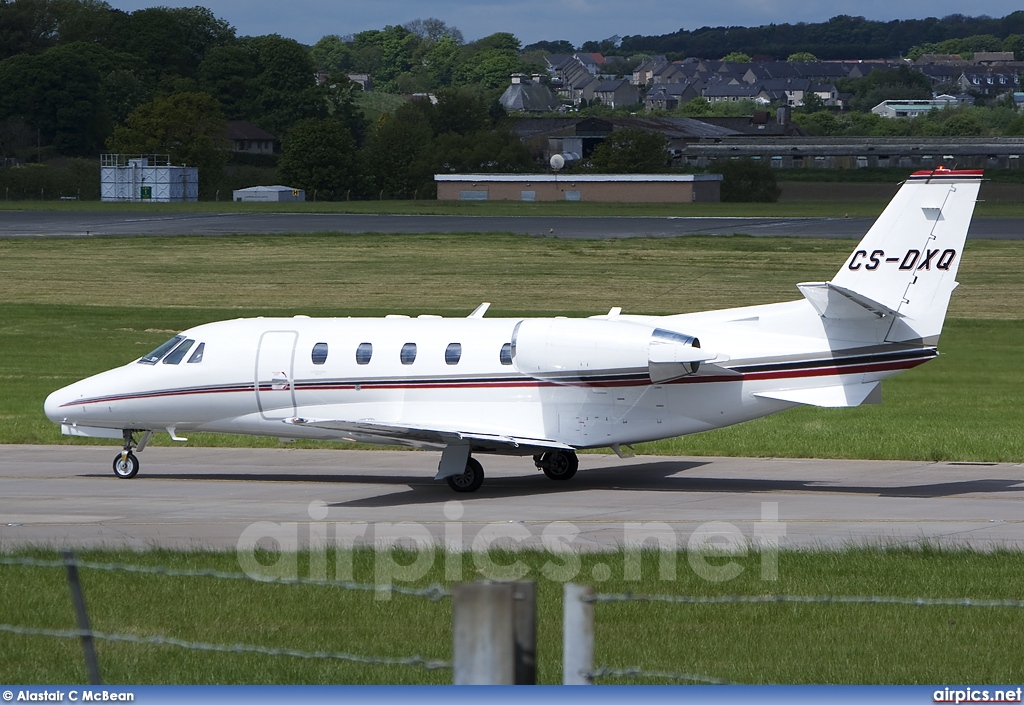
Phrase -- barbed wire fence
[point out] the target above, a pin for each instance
(493, 626)
(86, 634)
(580, 600)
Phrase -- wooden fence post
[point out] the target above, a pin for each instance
(578, 635)
(78, 600)
(495, 631)
(524, 596)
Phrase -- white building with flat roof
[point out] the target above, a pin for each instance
(913, 108)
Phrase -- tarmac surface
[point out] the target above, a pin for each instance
(59, 224)
(218, 497)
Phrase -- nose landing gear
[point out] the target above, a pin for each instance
(126, 465)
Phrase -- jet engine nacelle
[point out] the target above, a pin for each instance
(568, 350)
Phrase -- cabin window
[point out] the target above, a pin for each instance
(197, 356)
(453, 353)
(408, 355)
(319, 354)
(179, 353)
(363, 353)
(506, 354)
(154, 357)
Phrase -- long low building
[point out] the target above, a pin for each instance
(858, 152)
(619, 188)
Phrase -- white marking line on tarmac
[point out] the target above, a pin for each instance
(534, 522)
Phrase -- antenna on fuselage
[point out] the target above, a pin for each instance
(480, 310)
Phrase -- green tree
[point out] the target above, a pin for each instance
(499, 41)
(189, 127)
(458, 110)
(342, 96)
(487, 151)
(393, 46)
(84, 21)
(434, 30)
(813, 103)
(490, 68)
(285, 84)
(171, 43)
(331, 54)
(737, 57)
(60, 95)
(1015, 43)
(819, 124)
(442, 61)
(1015, 128)
(886, 84)
(697, 106)
(319, 155)
(228, 73)
(27, 27)
(630, 152)
(744, 180)
(802, 57)
(394, 149)
(961, 124)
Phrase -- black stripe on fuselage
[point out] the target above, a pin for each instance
(793, 365)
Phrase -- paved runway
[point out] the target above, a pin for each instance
(182, 497)
(31, 224)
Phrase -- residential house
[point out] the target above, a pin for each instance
(574, 81)
(668, 96)
(728, 92)
(249, 139)
(644, 73)
(992, 57)
(617, 93)
(989, 80)
(528, 95)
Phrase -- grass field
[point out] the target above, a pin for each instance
(772, 643)
(73, 308)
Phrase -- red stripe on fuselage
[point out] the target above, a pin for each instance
(832, 370)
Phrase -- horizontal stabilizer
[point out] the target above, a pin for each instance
(838, 395)
(835, 302)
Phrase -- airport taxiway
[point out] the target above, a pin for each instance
(69, 224)
(212, 497)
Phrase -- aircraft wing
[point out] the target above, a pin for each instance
(430, 437)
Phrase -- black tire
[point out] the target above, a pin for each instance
(470, 480)
(127, 468)
(560, 465)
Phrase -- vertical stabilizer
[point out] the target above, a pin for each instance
(907, 262)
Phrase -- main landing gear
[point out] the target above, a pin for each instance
(557, 464)
(126, 465)
(470, 480)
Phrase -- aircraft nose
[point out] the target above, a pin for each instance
(52, 405)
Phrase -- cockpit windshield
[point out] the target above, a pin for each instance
(179, 353)
(154, 357)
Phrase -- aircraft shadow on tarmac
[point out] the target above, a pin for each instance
(660, 476)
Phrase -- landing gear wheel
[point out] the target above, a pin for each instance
(559, 464)
(126, 466)
(470, 480)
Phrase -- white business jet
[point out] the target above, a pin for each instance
(547, 387)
